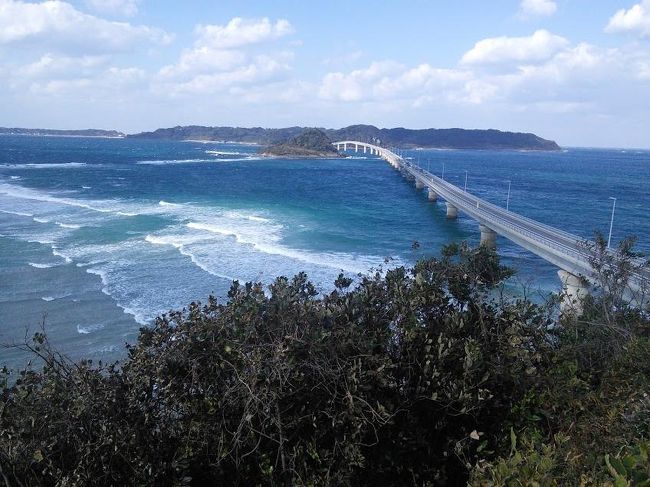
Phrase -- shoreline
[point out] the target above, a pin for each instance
(14, 134)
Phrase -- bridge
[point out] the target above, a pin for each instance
(563, 249)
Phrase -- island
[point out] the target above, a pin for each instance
(430, 138)
(312, 143)
(452, 138)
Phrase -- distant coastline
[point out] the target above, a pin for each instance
(450, 139)
(454, 138)
(106, 134)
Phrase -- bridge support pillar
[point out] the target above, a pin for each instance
(419, 184)
(356, 147)
(433, 196)
(488, 237)
(364, 149)
(574, 290)
(452, 211)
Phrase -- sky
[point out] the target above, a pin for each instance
(574, 71)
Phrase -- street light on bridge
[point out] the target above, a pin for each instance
(611, 222)
(508, 197)
(465, 181)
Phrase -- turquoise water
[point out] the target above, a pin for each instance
(99, 236)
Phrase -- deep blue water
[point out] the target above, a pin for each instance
(99, 236)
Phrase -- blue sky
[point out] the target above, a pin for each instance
(576, 71)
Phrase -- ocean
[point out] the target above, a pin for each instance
(99, 236)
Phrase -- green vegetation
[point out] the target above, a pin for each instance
(433, 138)
(411, 377)
(310, 143)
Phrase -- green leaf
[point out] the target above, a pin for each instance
(513, 441)
(618, 466)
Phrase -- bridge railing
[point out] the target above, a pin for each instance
(568, 245)
(486, 204)
(486, 212)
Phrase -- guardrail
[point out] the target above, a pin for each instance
(565, 246)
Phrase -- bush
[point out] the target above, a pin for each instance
(412, 377)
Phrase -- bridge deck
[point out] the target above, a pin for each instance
(563, 249)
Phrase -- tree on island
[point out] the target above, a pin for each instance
(310, 143)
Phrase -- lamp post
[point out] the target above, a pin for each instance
(508, 198)
(443, 171)
(611, 222)
(465, 181)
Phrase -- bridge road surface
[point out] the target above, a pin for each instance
(565, 250)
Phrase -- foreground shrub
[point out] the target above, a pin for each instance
(412, 377)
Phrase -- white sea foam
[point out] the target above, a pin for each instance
(180, 243)
(267, 242)
(87, 329)
(41, 266)
(225, 153)
(101, 206)
(216, 229)
(62, 165)
(228, 142)
(241, 215)
(17, 213)
(86, 187)
(14, 177)
(102, 276)
(68, 225)
(254, 218)
(163, 162)
(41, 240)
(166, 203)
(41, 220)
(58, 253)
(248, 158)
(231, 244)
(47, 298)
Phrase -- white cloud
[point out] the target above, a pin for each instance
(58, 24)
(391, 81)
(74, 77)
(573, 78)
(536, 8)
(258, 70)
(51, 66)
(345, 58)
(227, 57)
(499, 50)
(202, 60)
(107, 83)
(358, 84)
(242, 32)
(126, 8)
(635, 20)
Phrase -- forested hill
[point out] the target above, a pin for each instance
(454, 138)
(311, 143)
